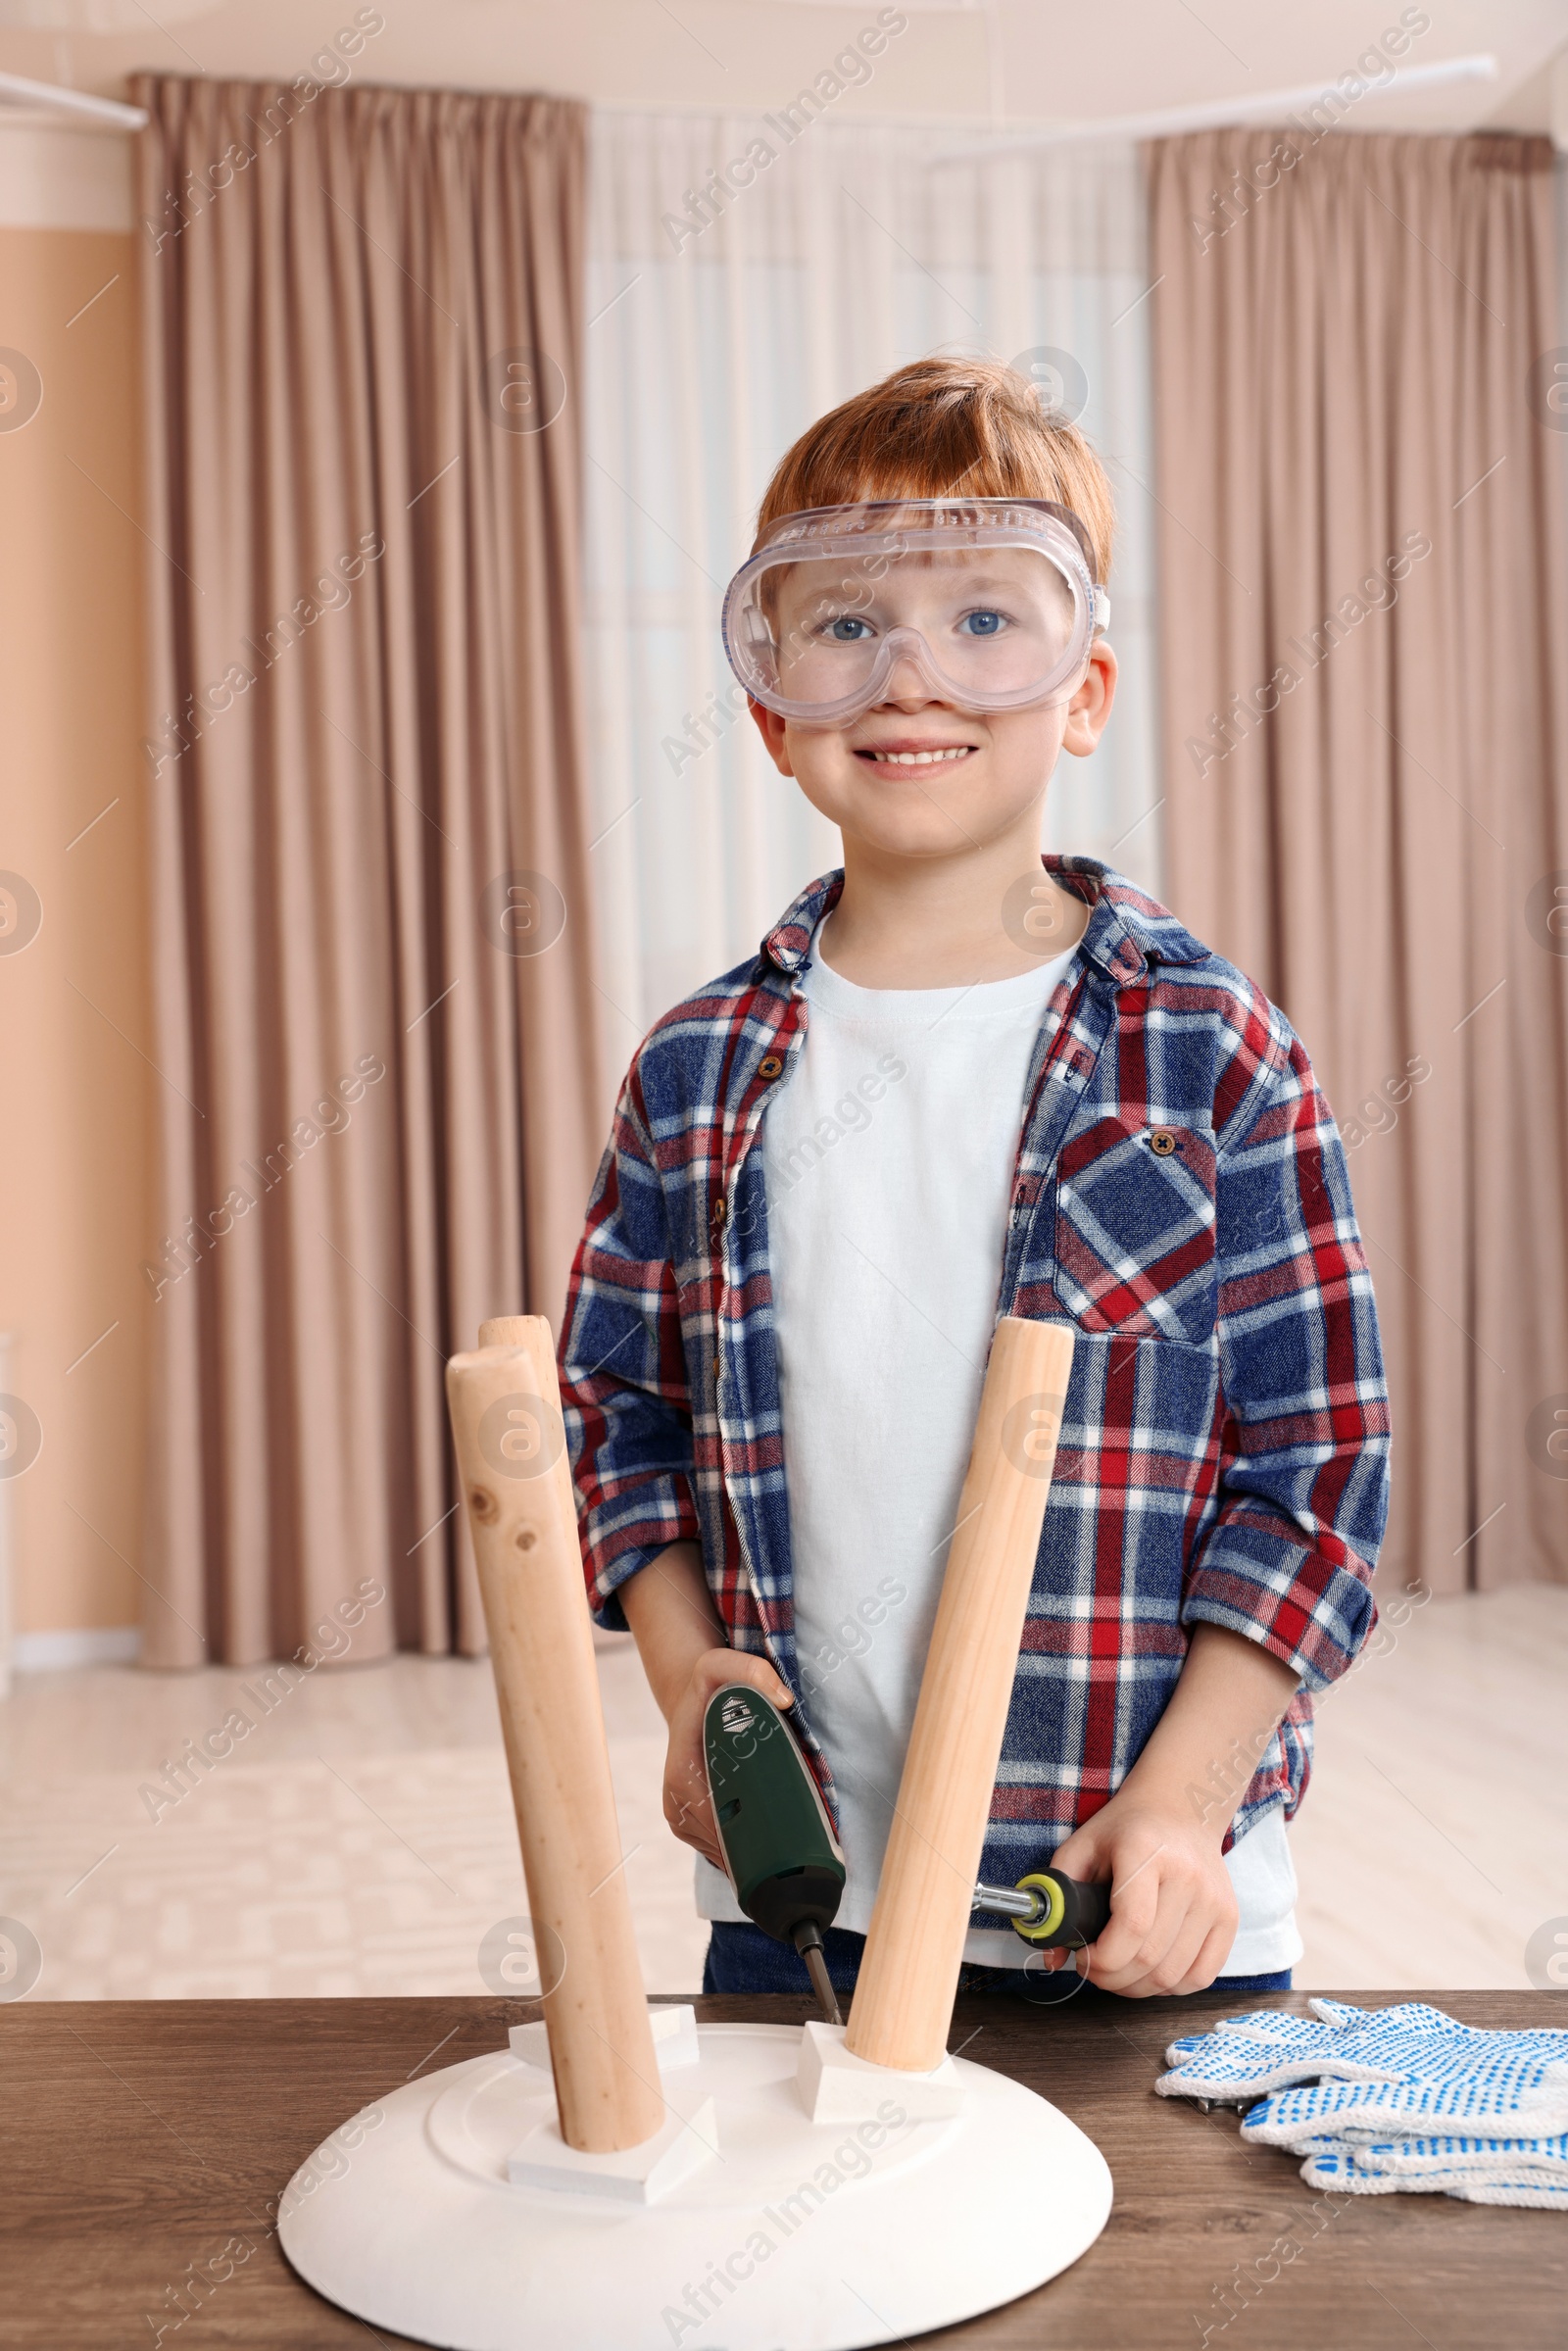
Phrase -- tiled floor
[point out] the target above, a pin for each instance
(1434, 1838)
(360, 1839)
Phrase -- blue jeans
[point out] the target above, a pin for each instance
(741, 1958)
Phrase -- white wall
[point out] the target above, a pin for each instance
(1015, 55)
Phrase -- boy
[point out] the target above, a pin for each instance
(959, 1081)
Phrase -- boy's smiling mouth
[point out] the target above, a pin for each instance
(912, 753)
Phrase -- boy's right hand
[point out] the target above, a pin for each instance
(680, 1638)
(686, 1804)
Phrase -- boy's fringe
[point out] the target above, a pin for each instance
(944, 429)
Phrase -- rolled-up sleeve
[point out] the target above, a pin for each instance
(624, 1385)
(1303, 1474)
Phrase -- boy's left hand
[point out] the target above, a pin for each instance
(1172, 1911)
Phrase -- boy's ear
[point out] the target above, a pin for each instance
(1089, 707)
(770, 726)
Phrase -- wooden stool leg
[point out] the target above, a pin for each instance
(516, 1484)
(903, 1997)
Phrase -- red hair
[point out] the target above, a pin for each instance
(944, 429)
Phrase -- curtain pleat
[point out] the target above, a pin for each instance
(362, 322)
(1365, 641)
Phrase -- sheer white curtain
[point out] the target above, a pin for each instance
(845, 257)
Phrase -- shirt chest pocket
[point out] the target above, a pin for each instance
(1135, 1229)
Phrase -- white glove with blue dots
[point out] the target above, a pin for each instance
(1378, 2100)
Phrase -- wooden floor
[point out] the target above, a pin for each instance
(360, 1841)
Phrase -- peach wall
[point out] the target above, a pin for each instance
(74, 1008)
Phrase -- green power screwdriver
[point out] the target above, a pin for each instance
(786, 1864)
(782, 1857)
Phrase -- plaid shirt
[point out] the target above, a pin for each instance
(1179, 1195)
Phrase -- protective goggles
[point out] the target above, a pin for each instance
(991, 601)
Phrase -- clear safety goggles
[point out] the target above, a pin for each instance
(991, 603)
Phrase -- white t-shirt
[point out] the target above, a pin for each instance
(888, 1157)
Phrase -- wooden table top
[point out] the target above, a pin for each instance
(140, 2142)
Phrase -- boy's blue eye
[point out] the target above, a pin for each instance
(983, 624)
(847, 629)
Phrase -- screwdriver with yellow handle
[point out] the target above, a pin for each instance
(787, 1867)
(1049, 1909)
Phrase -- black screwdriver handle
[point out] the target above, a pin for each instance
(1076, 1910)
(1086, 1905)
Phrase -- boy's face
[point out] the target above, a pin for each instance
(917, 775)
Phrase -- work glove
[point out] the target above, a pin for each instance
(1478, 2170)
(1400, 2097)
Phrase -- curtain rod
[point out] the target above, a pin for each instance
(50, 94)
(1209, 115)
(1218, 115)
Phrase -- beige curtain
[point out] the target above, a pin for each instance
(362, 316)
(1364, 641)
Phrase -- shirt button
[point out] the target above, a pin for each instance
(719, 1365)
(770, 1066)
(1162, 1142)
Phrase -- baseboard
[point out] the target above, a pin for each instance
(57, 1652)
